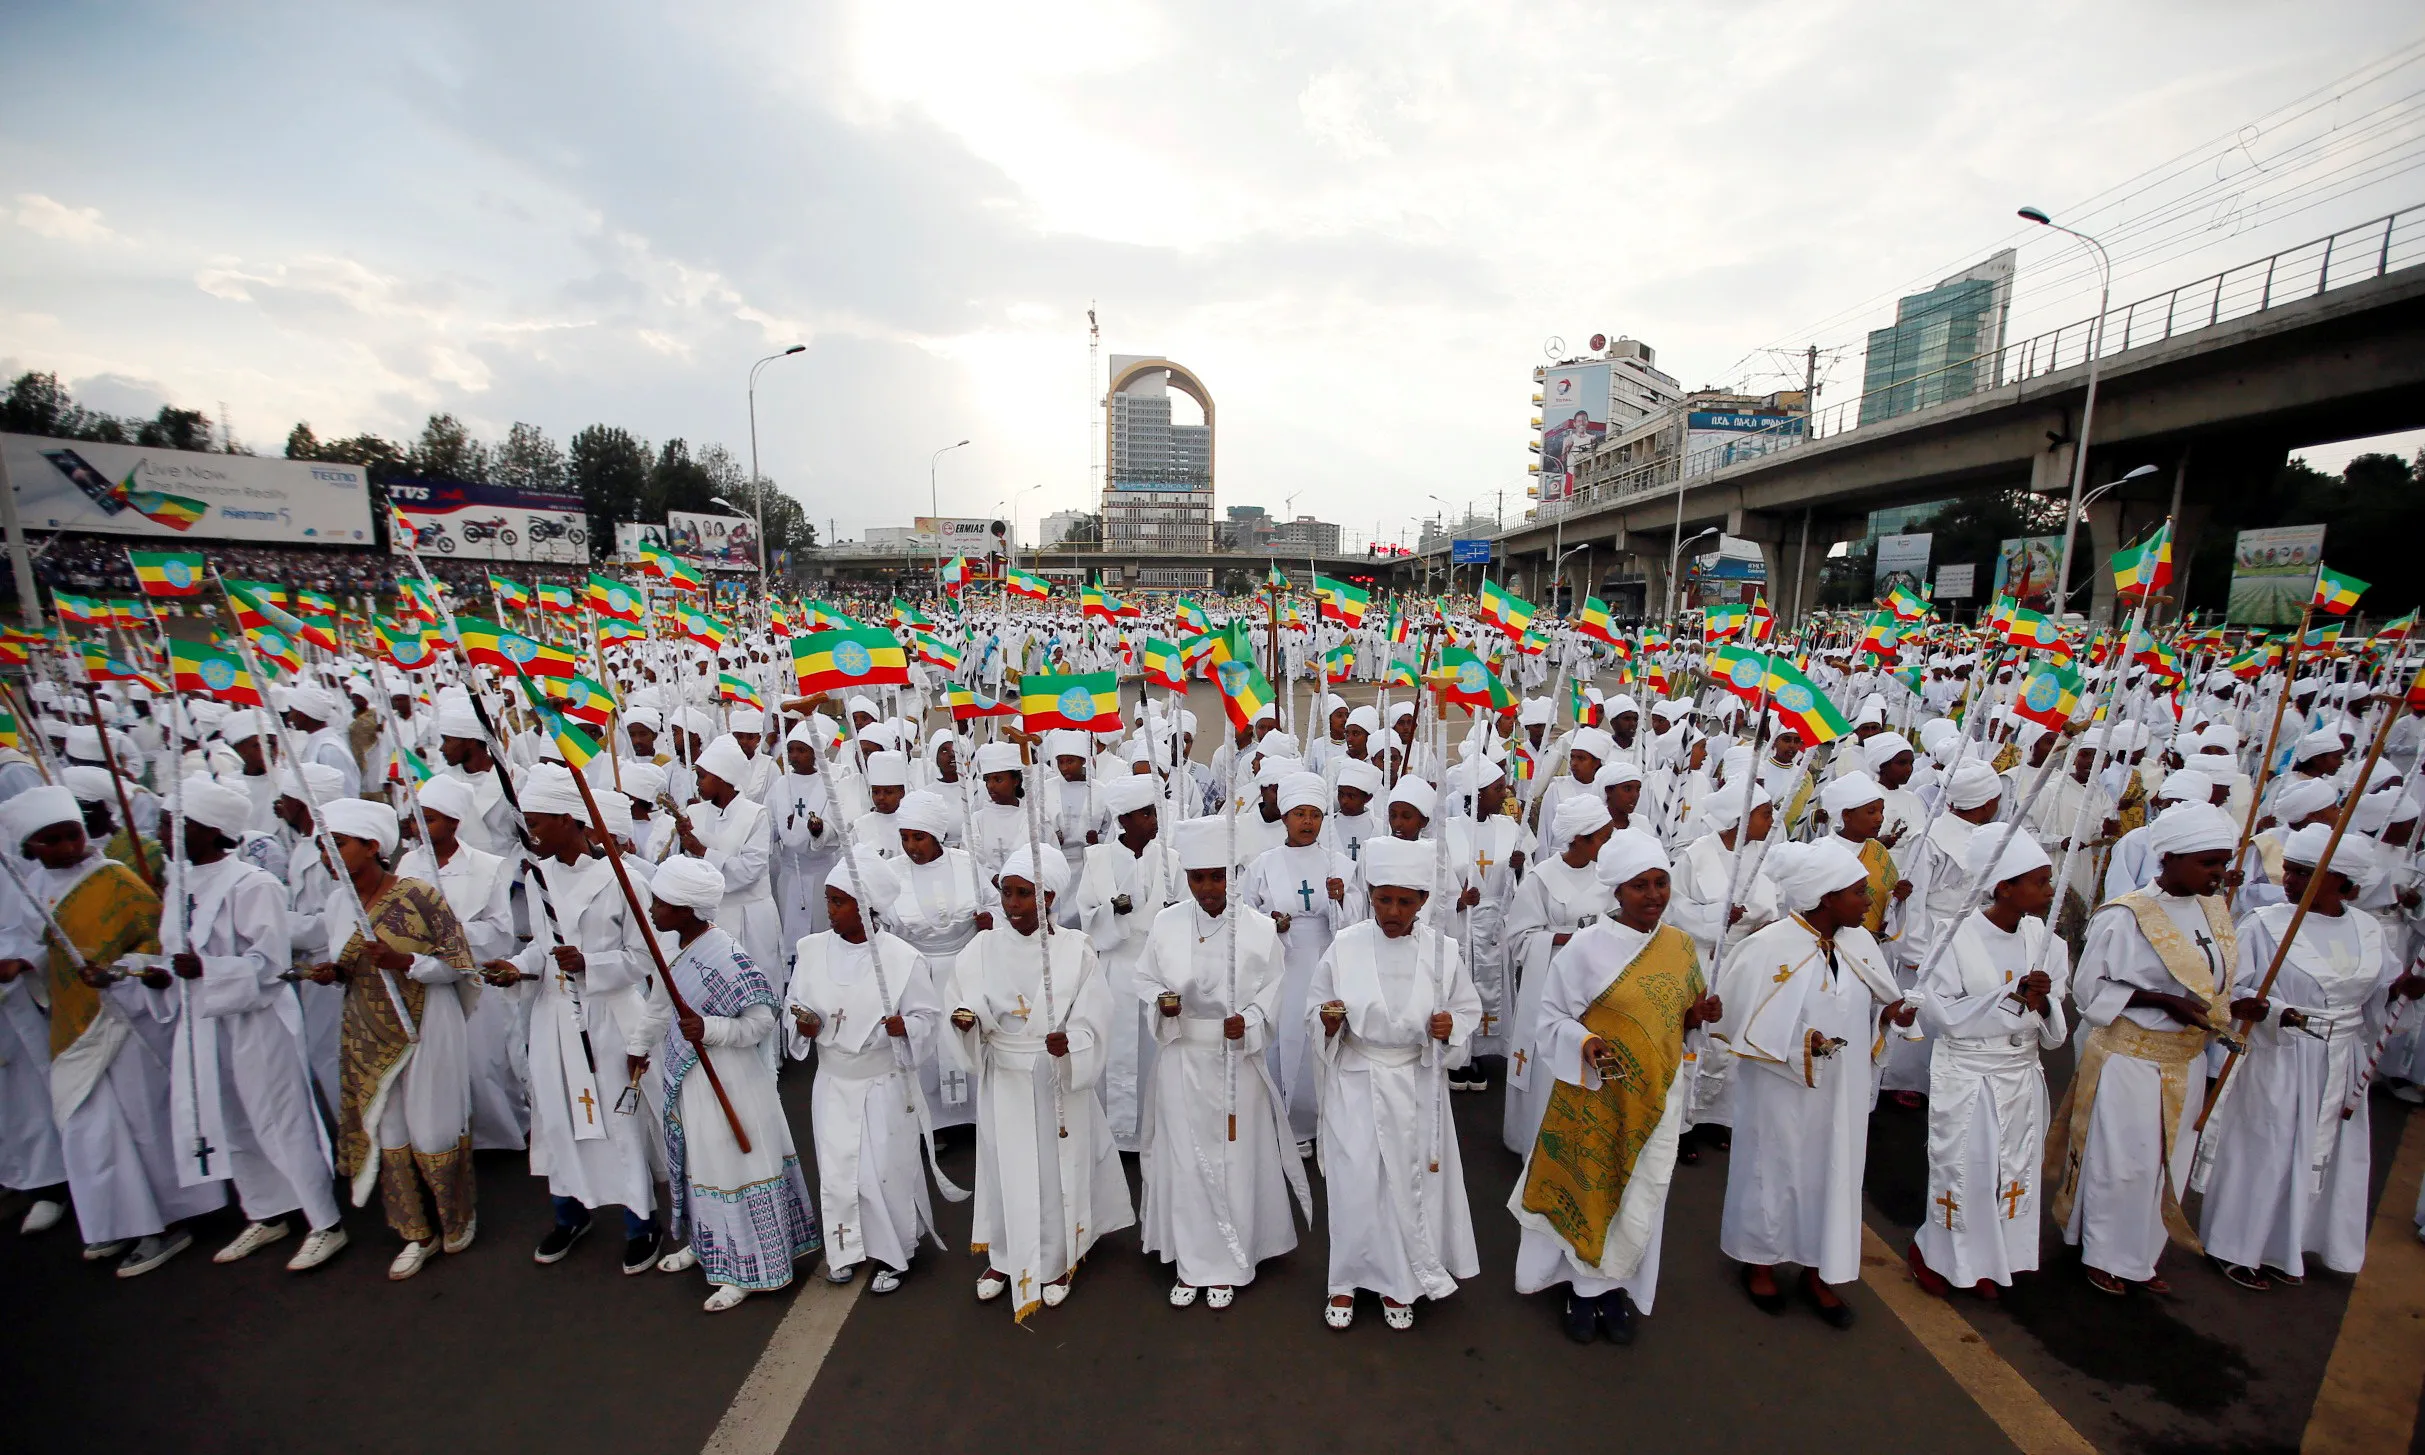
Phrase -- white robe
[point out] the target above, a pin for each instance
(1295, 882)
(863, 1109)
(1042, 1198)
(585, 1148)
(1555, 899)
(2290, 1174)
(1987, 1106)
(803, 853)
(1215, 1205)
(937, 913)
(1579, 974)
(478, 888)
(1150, 881)
(1398, 1220)
(1801, 1128)
(740, 842)
(1699, 880)
(1485, 852)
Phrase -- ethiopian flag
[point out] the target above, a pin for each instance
(1338, 663)
(1462, 677)
(409, 647)
(1245, 691)
(2050, 695)
(967, 703)
(1085, 701)
(1190, 618)
(1593, 621)
(618, 599)
(193, 667)
(588, 701)
(168, 573)
(558, 598)
(1164, 667)
(1796, 700)
(1906, 604)
(936, 652)
(1399, 674)
(491, 645)
(1511, 614)
(81, 610)
(1340, 602)
(578, 747)
(509, 592)
(700, 627)
(738, 689)
(2335, 592)
(864, 656)
(1027, 584)
(2147, 566)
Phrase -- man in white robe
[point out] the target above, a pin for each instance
(945, 901)
(478, 887)
(1303, 887)
(1493, 850)
(1392, 1010)
(589, 963)
(1701, 881)
(1994, 1002)
(2293, 1148)
(2153, 977)
(1218, 1160)
(1941, 887)
(237, 1074)
(863, 998)
(1805, 1002)
(1561, 895)
(808, 841)
(1122, 886)
(1029, 1017)
(736, 837)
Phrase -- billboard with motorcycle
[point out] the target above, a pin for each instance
(493, 522)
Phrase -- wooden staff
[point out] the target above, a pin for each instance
(2256, 796)
(2281, 951)
(126, 812)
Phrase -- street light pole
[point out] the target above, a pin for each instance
(757, 482)
(1675, 556)
(2088, 406)
(934, 509)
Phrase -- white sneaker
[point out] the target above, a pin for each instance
(43, 1216)
(409, 1261)
(153, 1251)
(319, 1245)
(726, 1296)
(103, 1252)
(681, 1260)
(254, 1238)
(883, 1280)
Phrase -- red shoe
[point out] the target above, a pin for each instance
(1930, 1281)
(1986, 1289)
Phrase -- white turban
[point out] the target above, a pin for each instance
(2303, 796)
(692, 883)
(322, 781)
(90, 785)
(1276, 769)
(1052, 878)
(1628, 854)
(315, 702)
(1938, 730)
(2192, 828)
(886, 769)
(2186, 785)
(2353, 858)
(2317, 744)
(1724, 810)
(1062, 743)
(724, 758)
(1415, 794)
(997, 758)
(1850, 792)
(1203, 843)
(1617, 773)
(1359, 774)
(642, 780)
(241, 724)
(1808, 873)
(877, 885)
(1579, 814)
(2020, 857)
(360, 818)
(448, 795)
(1137, 790)
(1974, 785)
(1536, 710)
(36, 809)
(924, 812)
(549, 788)
(1884, 749)
(1406, 863)
(1366, 717)
(1303, 790)
(1594, 741)
(210, 802)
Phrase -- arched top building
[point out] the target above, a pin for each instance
(1158, 476)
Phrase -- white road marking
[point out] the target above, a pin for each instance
(761, 1412)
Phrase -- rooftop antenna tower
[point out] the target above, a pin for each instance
(1095, 406)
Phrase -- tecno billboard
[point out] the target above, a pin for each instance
(183, 494)
(1574, 417)
(493, 522)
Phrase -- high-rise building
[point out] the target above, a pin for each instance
(1585, 401)
(1944, 343)
(1158, 486)
(1057, 526)
(1306, 536)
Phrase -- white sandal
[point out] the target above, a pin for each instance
(1398, 1316)
(681, 1260)
(1182, 1294)
(1055, 1294)
(1219, 1297)
(726, 1296)
(990, 1286)
(1338, 1315)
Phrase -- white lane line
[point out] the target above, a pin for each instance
(761, 1413)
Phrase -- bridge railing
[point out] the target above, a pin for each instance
(2352, 255)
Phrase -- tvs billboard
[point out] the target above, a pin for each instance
(493, 522)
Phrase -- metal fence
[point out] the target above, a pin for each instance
(2337, 260)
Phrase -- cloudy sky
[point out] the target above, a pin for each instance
(1358, 222)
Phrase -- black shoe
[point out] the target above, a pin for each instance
(1582, 1318)
(1838, 1317)
(1767, 1303)
(1716, 1138)
(639, 1254)
(1617, 1316)
(1688, 1151)
(559, 1241)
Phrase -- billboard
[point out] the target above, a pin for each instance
(718, 542)
(1469, 552)
(631, 535)
(134, 490)
(1574, 417)
(1714, 440)
(2025, 570)
(1902, 561)
(1956, 583)
(2273, 574)
(962, 534)
(493, 522)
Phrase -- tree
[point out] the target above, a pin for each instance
(2372, 513)
(175, 429)
(679, 482)
(301, 443)
(610, 469)
(37, 403)
(1086, 531)
(528, 460)
(447, 451)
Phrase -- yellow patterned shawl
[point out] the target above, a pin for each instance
(411, 916)
(1879, 861)
(1589, 1139)
(109, 913)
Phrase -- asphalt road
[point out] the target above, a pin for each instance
(489, 1351)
